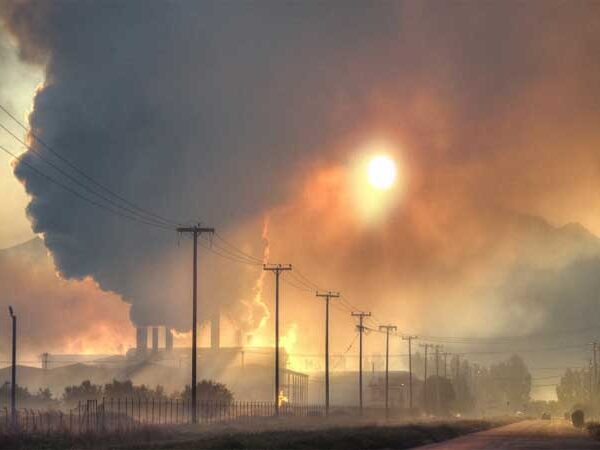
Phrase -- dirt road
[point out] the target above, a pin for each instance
(527, 435)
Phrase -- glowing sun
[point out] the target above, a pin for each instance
(381, 172)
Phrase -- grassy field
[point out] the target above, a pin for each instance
(283, 437)
(594, 430)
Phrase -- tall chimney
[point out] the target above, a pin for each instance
(168, 339)
(215, 331)
(154, 339)
(141, 339)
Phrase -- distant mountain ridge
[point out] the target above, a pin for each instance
(33, 248)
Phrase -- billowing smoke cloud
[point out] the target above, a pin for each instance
(223, 110)
(56, 315)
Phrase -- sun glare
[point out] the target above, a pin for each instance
(381, 172)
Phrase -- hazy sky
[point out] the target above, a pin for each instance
(18, 82)
(240, 114)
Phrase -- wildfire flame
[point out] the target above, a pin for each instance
(258, 287)
(257, 312)
(282, 399)
(288, 342)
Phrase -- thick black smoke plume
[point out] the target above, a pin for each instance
(217, 111)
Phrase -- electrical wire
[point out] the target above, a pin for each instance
(130, 205)
(291, 283)
(227, 256)
(306, 279)
(81, 196)
(235, 249)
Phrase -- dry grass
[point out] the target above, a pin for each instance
(594, 429)
(274, 436)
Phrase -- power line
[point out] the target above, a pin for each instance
(79, 183)
(307, 280)
(131, 206)
(286, 280)
(500, 339)
(235, 249)
(211, 246)
(301, 281)
(81, 196)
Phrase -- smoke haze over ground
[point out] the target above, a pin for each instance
(226, 113)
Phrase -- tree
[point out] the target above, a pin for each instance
(25, 399)
(439, 395)
(85, 391)
(512, 381)
(573, 388)
(209, 391)
(122, 389)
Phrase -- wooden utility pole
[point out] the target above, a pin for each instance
(590, 378)
(195, 230)
(445, 354)
(594, 376)
(361, 315)
(13, 373)
(387, 329)
(437, 377)
(277, 269)
(410, 388)
(327, 296)
(426, 347)
(457, 381)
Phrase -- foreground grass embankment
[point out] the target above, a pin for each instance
(594, 429)
(342, 437)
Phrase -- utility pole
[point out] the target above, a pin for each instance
(277, 269)
(387, 329)
(457, 382)
(590, 377)
(595, 372)
(445, 354)
(410, 388)
(437, 377)
(361, 315)
(426, 347)
(195, 230)
(13, 373)
(594, 376)
(327, 296)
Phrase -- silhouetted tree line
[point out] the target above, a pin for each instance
(472, 388)
(577, 390)
(43, 399)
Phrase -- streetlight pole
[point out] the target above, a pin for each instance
(13, 375)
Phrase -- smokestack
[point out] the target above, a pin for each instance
(141, 339)
(154, 339)
(215, 331)
(168, 339)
